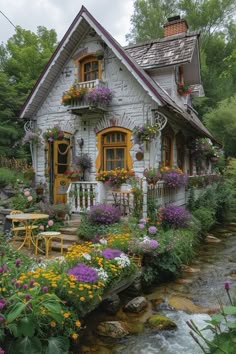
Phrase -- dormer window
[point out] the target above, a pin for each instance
(90, 69)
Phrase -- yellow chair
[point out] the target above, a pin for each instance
(17, 226)
(48, 236)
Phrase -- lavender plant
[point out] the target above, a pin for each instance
(104, 214)
(174, 216)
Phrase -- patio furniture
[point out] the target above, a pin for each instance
(17, 227)
(28, 219)
(48, 236)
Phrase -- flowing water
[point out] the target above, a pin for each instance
(202, 283)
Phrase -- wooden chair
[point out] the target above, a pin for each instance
(17, 226)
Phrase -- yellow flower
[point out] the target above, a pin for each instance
(53, 324)
(82, 298)
(78, 323)
(74, 336)
(66, 314)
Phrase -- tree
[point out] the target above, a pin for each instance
(21, 61)
(221, 121)
(148, 19)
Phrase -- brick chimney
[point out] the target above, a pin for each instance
(175, 25)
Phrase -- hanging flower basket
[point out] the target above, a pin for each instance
(32, 137)
(152, 175)
(147, 132)
(54, 133)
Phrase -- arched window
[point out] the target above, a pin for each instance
(90, 68)
(167, 146)
(114, 149)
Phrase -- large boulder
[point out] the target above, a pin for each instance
(136, 305)
(112, 329)
(181, 303)
(160, 322)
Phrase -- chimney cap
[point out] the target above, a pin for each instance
(173, 18)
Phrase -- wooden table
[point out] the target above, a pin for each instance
(28, 219)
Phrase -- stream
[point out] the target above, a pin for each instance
(201, 285)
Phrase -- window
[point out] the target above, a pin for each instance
(114, 145)
(167, 146)
(90, 68)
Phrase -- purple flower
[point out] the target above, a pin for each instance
(227, 285)
(1, 319)
(174, 216)
(27, 297)
(17, 284)
(25, 286)
(84, 273)
(152, 229)
(2, 303)
(141, 226)
(142, 221)
(104, 214)
(31, 283)
(45, 289)
(153, 244)
(2, 351)
(111, 253)
(18, 262)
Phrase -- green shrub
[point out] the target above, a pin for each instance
(224, 198)
(206, 218)
(88, 231)
(8, 176)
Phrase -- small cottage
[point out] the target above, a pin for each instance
(115, 108)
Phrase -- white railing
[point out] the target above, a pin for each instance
(82, 195)
(90, 84)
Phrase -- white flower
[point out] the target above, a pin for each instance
(123, 261)
(102, 274)
(103, 241)
(87, 256)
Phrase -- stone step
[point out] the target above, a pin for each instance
(70, 238)
(68, 230)
(57, 246)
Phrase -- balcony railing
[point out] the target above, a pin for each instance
(78, 104)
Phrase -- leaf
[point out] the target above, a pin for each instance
(57, 345)
(53, 306)
(217, 318)
(229, 310)
(26, 345)
(26, 327)
(16, 310)
(231, 325)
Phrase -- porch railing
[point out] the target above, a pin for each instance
(82, 195)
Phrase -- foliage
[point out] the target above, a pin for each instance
(104, 214)
(146, 132)
(83, 161)
(115, 177)
(8, 176)
(32, 137)
(53, 133)
(152, 175)
(206, 218)
(89, 231)
(184, 89)
(137, 197)
(173, 177)
(222, 123)
(223, 327)
(202, 181)
(24, 200)
(173, 216)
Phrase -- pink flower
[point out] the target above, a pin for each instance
(26, 193)
(50, 222)
(41, 227)
(29, 198)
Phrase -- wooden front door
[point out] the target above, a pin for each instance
(59, 161)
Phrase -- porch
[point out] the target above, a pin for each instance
(82, 195)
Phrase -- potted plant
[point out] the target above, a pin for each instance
(115, 178)
(147, 132)
(74, 93)
(173, 177)
(152, 175)
(183, 90)
(83, 163)
(99, 95)
(54, 133)
(74, 174)
(32, 137)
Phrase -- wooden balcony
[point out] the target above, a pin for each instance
(79, 106)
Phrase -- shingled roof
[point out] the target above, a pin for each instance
(167, 51)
